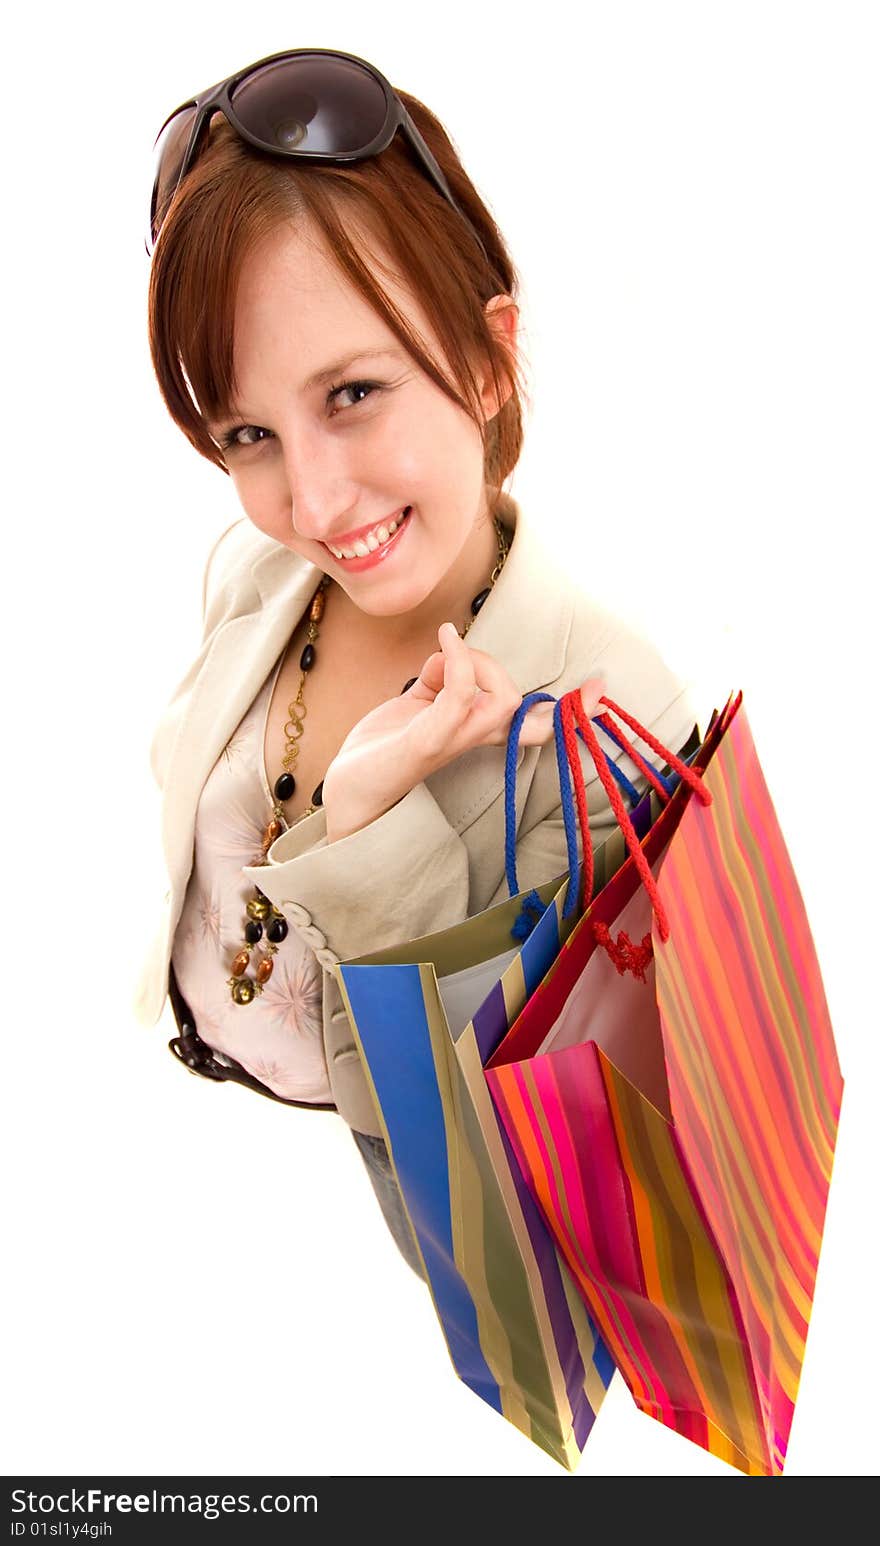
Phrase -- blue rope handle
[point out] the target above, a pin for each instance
(533, 908)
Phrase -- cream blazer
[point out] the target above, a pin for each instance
(437, 856)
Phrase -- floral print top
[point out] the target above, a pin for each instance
(278, 1037)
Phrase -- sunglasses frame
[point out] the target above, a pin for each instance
(218, 99)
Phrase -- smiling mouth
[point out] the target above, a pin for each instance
(375, 539)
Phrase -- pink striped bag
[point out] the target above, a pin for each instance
(672, 1097)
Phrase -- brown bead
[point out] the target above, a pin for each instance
(273, 830)
(316, 611)
(264, 970)
(240, 962)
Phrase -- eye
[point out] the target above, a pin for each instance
(242, 435)
(353, 386)
(229, 440)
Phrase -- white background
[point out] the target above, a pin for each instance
(199, 1280)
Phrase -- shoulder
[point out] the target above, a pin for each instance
(638, 676)
(573, 633)
(637, 670)
(228, 567)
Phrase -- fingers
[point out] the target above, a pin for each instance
(481, 696)
(456, 696)
(474, 698)
(430, 679)
(591, 691)
(537, 727)
(488, 675)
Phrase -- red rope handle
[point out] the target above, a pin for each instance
(681, 768)
(625, 955)
(650, 773)
(629, 832)
(569, 735)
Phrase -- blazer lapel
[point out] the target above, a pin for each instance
(240, 656)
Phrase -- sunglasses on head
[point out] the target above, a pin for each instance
(310, 104)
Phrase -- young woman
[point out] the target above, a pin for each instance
(332, 323)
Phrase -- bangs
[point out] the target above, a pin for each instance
(193, 288)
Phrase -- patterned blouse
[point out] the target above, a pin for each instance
(278, 1037)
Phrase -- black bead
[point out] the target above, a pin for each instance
(307, 658)
(408, 685)
(253, 930)
(318, 796)
(478, 600)
(277, 931)
(284, 786)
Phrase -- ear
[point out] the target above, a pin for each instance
(502, 315)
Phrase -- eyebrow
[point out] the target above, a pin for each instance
(327, 373)
(339, 366)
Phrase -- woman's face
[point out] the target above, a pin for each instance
(325, 445)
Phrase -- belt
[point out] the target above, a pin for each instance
(195, 1054)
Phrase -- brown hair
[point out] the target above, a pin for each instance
(233, 197)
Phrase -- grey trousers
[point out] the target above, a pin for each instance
(375, 1156)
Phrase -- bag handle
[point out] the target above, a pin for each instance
(625, 955)
(533, 907)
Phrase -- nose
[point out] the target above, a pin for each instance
(321, 487)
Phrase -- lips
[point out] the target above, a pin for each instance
(380, 554)
(349, 538)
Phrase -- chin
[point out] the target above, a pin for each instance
(389, 605)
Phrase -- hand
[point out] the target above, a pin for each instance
(462, 698)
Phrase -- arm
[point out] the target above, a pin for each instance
(398, 877)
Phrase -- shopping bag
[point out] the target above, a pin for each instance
(425, 1016)
(671, 1093)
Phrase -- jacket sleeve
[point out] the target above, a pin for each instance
(407, 873)
(364, 891)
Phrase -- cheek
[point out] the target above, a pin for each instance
(262, 498)
(434, 442)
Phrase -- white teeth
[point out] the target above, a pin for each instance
(366, 545)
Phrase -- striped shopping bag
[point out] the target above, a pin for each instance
(672, 1092)
(425, 1017)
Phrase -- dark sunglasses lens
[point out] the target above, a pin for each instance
(167, 161)
(311, 103)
